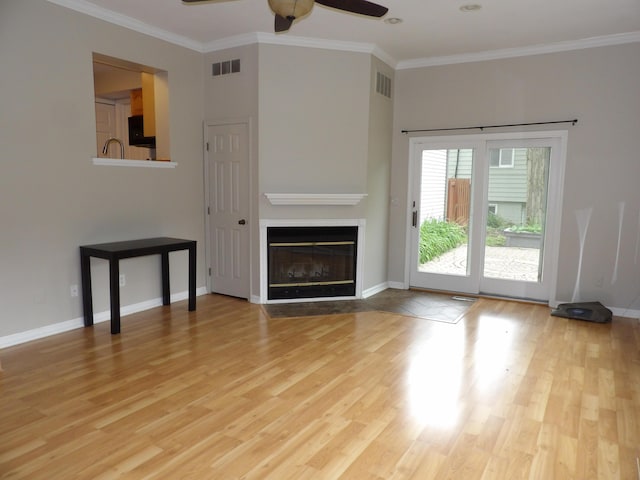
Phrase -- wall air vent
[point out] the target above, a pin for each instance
(383, 84)
(226, 67)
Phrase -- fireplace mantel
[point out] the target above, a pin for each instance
(315, 198)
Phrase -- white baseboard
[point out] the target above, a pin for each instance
(255, 299)
(105, 316)
(99, 317)
(375, 289)
(625, 312)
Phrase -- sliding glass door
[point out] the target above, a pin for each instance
(480, 221)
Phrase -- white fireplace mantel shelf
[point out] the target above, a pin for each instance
(315, 198)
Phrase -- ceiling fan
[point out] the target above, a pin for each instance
(287, 11)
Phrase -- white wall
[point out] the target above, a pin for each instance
(599, 87)
(52, 199)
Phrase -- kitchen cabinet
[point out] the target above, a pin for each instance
(136, 102)
(143, 103)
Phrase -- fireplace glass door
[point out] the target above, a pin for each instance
(308, 262)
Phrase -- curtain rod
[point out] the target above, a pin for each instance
(572, 122)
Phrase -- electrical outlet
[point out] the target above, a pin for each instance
(123, 280)
(74, 290)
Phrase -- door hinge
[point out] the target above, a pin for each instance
(209, 271)
(208, 210)
(207, 145)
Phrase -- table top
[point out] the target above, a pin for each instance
(139, 246)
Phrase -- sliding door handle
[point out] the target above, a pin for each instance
(414, 220)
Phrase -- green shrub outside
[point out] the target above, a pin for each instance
(495, 226)
(535, 228)
(496, 221)
(438, 237)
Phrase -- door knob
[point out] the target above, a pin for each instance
(242, 221)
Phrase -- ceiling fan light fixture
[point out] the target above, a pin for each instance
(291, 8)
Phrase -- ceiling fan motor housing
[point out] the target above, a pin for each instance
(291, 9)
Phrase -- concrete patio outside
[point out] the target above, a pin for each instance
(509, 263)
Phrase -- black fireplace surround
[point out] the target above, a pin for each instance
(311, 262)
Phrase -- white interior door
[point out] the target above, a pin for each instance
(229, 231)
(480, 216)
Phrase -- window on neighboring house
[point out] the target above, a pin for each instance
(501, 158)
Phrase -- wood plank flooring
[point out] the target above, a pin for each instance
(225, 392)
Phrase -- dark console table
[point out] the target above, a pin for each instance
(116, 251)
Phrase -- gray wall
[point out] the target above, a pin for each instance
(323, 131)
(234, 97)
(314, 114)
(378, 176)
(314, 120)
(315, 129)
(52, 199)
(309, 121)
(599, 87)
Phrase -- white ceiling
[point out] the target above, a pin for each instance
(430, 28)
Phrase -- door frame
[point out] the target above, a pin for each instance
(466, 283)
(207, 190)
(555, 190)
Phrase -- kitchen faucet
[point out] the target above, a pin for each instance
(105, 149)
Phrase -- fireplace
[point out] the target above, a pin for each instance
(311, 261)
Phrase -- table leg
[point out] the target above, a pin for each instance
(166, 290)
(87, 298)
(192, 277)
(114, 292)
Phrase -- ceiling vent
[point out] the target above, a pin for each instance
(225, 68)
(383, 84)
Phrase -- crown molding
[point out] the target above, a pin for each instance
(87, 8)
(592, 42)
(266, 38)
(100, 13)
(127, 22)
(231, 42)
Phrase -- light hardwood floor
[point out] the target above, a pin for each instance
(225, 392)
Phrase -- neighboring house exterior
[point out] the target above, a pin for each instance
(507, 196)
(508, 184)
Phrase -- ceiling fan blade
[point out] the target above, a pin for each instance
(362, 7)
(282, 24)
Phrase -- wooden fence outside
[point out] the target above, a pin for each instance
(459, 200)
